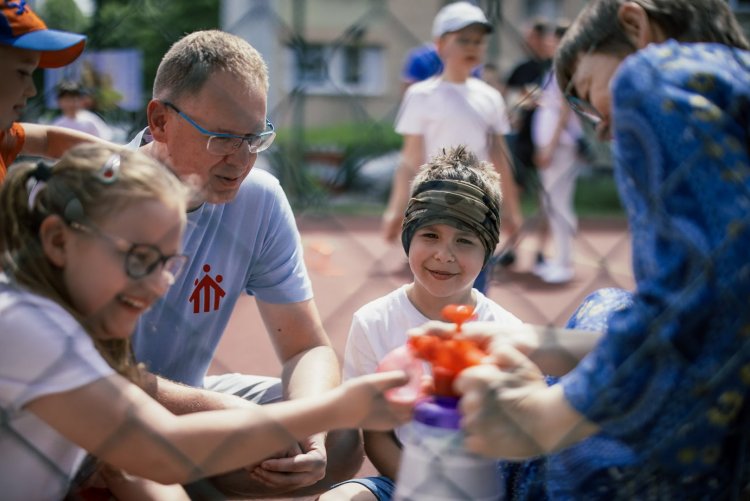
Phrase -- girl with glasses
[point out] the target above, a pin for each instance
(86, 246)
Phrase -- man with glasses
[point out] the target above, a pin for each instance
(207, 122)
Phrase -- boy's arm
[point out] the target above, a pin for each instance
(383, 451)
(412, 157)
(51, 142)
(500, 157)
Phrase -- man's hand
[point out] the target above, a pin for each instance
(299, 467)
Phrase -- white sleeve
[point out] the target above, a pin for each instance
(500, 121)
(410, 119)
(359, 356)
(44, 351)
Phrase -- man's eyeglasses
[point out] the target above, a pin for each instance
(140, 259)
(222, 144)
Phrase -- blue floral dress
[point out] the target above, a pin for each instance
(671, 378)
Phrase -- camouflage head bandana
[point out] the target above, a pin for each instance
(457, 203)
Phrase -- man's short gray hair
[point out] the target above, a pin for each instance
(187, 65)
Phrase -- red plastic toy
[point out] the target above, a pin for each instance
(448, 356)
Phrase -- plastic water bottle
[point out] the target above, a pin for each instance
(434, 464)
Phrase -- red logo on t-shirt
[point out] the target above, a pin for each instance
(207, 293)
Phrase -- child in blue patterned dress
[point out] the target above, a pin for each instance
(669, 82)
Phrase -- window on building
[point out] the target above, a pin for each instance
(740, 5)
(550, 9)
(310, 67)
(337, 69)
(353, 64)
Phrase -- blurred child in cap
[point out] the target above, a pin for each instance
(73, 115)
(26, 44)
(453, 108)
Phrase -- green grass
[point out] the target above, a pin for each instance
(596, 196)
(347, 136)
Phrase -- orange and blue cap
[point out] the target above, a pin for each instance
(22, 29)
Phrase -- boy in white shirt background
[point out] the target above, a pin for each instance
(453, 108)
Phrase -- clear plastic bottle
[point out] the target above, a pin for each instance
(434, 464)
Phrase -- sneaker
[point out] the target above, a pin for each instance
(557, 274)
(540, 265)
(507, 258)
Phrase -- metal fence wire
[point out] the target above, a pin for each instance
(335, 93)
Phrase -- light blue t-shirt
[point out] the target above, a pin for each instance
(248, 245)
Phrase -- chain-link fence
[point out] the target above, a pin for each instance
(336, 87)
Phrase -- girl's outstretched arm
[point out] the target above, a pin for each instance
(120, 424)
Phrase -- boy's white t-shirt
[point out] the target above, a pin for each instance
(380, 326)
(44, 351)
(449, 114)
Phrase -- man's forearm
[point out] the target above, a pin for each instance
(311, 372)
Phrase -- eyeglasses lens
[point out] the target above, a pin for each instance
(228, 145)
(585, 110)
(142, 260)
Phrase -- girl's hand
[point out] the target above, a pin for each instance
(511, 413)
(498, 404)
(364, 400)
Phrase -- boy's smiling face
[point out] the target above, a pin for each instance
(445, 262)
(463, 50)
(16, 85)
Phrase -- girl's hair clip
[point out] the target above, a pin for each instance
(110, 171)
(42, 171)
(37, 180)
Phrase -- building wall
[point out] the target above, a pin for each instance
(390, 27)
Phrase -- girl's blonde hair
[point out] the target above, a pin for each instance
(89, 183)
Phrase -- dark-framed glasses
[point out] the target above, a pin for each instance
(584, 109)
(222, 144)
(140, 259)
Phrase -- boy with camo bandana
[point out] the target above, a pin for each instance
(451, 227)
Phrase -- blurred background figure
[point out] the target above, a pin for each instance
(555, 134)
(70, 99)
(521, 92)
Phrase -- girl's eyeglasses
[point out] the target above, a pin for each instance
(584, 109)
(140, 259)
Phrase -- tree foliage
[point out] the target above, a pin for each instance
(149, 25)
(64, 15)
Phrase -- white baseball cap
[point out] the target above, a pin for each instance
(457, 16)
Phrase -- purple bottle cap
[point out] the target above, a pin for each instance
(440, 412)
